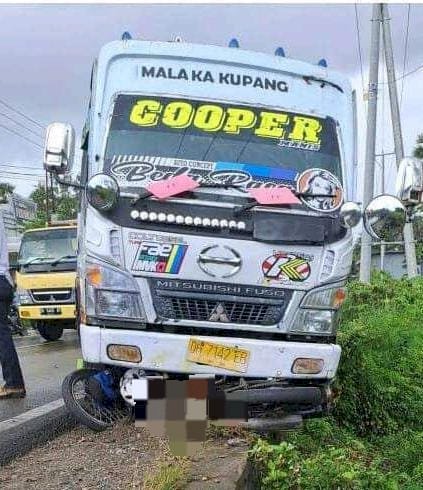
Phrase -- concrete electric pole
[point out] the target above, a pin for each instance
(409, 245)
(369, 164)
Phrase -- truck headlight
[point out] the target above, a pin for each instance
(23, 297)
(313, 322)
(318, 311)
(111, 292)
(117, 304)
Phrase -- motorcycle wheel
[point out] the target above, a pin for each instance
(85, 407)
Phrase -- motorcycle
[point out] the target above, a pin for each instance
(14, 322)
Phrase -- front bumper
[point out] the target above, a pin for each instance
(47, 312)
(164, 352)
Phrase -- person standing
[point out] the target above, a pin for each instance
(14, 386)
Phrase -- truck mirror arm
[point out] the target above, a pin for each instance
(67, 184)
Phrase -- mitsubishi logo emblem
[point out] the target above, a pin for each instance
(219, 314)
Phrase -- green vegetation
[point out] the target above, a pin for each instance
(170, 475)
(64, 205)
(375, 438)
(5, 190)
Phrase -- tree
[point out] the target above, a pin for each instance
(5, 190)
(64, 205)
(418, 150)
(418, 222)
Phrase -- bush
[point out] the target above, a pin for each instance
(324, 455)
(321, 456)
(380, 377)
(375, 438)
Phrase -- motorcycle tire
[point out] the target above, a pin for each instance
(87, 410)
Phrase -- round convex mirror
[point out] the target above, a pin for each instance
(102, 192)
(384, 218)
(350, 214)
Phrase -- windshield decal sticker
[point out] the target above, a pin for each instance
(223, 78)
(163, 258)
(138, 169)
(285, 267)
(231, 120)
(242, 144)
(325, 185)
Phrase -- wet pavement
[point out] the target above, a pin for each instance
(44, 364)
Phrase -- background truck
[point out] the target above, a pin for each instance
(45, 279)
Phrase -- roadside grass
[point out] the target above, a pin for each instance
(169, 475)
(374, 440)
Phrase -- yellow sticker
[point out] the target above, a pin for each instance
(181, 114)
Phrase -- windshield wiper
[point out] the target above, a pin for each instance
(26, 264)
(145, 193)
(251, 205)
(220, 185)
(55, 262)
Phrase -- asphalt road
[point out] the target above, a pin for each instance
(44, 365)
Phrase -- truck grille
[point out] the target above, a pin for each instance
(220, 311)
(218, 308)
(53, 296)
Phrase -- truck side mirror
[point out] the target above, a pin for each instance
(59, 148)
(409, 183)
(350, 214)
(384, 218)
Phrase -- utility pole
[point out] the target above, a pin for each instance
(382, 243)
(53, 203)
(409, 245)
(47, 203)
(369, 164)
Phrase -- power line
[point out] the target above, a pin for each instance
(20, 124)
(23, 179)
(357, 26)
(21, 114)
(405, 52)
(7, 172)
(407, 74)
(20, 135)
(29, 167)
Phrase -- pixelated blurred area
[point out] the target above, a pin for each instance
(181, 410)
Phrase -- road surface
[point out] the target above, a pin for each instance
(44, 365)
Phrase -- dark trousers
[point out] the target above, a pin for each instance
(9, 361)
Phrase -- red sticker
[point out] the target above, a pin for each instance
(173, 186)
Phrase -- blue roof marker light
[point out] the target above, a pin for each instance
(126, 36)
(233, 43)
(280, 52)
(323, 63)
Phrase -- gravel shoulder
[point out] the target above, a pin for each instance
(124, 458)
(120, 458)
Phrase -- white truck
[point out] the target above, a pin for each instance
(214, 228)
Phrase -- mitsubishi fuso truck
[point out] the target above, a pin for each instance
(45, 279)
(215, 221)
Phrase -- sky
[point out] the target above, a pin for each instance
(47, 52)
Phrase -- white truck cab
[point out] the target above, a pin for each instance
(239, 275)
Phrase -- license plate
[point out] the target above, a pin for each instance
(51, 311)
(218, 355)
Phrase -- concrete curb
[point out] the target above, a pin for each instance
(20, 434)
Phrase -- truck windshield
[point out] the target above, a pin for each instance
(153, 138)
(46, 246)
